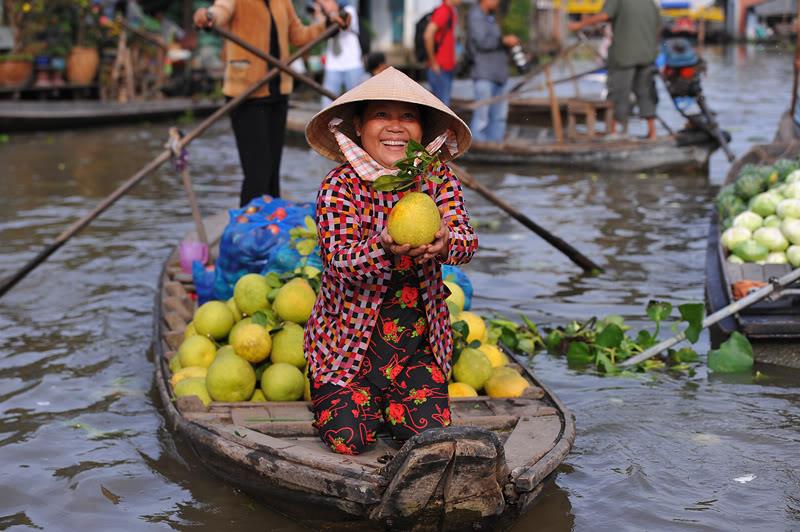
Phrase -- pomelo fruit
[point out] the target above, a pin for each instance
(188, 373)
(504, 370)
(456, 296)
(193, 386)
(261, 368)
(175, 364)
(461, 389)
(235, 329)
(287, 346)
(258, 396)
(477, 327)
(213, 319)
(230, 378)
(250, 293)
(472, 368)
(234, 308)
(196, 351)
(505, 385)
(226, 349)
(252, 343)
(282, 382)
(189, 331)
(295, 300)
(495, 356)
(414, 220)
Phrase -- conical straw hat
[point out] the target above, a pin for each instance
(391, 84)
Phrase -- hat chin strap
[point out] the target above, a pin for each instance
(367, 168)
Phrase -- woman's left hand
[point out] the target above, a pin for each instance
(440, 245)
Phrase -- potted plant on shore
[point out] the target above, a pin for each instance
(84, 58)
(16, 67)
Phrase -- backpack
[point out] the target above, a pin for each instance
(420, 53)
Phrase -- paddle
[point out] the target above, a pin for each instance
(754, 297)
(573, 254)
(160, 159)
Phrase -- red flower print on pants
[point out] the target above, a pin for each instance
(392, 371)
(405, 263)
(420, 396)
(436, 374)
(419, 327)
(360, 397)
(338, 446)
(408, 296)
(391, 330)
(396, 413)
(324, 417)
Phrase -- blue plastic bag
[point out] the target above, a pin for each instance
(455, 274)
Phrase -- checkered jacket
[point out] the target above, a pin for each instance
(357, 271)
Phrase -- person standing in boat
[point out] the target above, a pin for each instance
(489, 70)
(634, 47)
(378, 341)
(344, 64)
(259, 124)
(440, 45)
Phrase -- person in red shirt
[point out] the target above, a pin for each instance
(440, 43)
(379, 341)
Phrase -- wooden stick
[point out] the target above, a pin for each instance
(793, 107)
(175, 138)
(733, 308)
(573, 254)
(555, 111)
(160, 159)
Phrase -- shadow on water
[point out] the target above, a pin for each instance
(82, 436)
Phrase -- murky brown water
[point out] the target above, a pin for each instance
(82, 439)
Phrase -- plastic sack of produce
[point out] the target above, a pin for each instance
(286, 258)
(203, 279)
(254, 234)
(454, 273)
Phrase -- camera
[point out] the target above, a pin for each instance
(310, 7)
(520, 58)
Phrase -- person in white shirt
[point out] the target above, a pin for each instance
(344, 68)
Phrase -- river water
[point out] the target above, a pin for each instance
(82, 437)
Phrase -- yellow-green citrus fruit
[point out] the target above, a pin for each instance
(235, 329)
(505, 370)
(226, 349)
(175, 363)
(189, 331)
(307, 389)
(213, 319)
(461, 389)
(295, 300)
(261, 368)
(456, 296)
(472, 368)
(188, 373)
(477, 328)
(250, 293)
(234, 308)
(287, 345)
(282, 382)
(506, 385)
(495, 356)
(258, 396)
(252, 343)
(196, 351)
(230, 379)
(414, 220)
(194, 386)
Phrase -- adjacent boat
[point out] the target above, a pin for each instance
(484, 470)
(48, 115)
(688, 150)
(773, 327)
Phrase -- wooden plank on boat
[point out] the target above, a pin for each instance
(529, 442)
(415, 481)
(476, 478)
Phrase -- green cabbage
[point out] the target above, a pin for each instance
(765, 203)
(751, 251)
(790, 228)
(788, 208)
(748, 220)
(733, 259)
(750, 184)
(792, 190)
(777, 257)
(784, 167)
(733, 236)
(793, 177)
(772, 221)
(793, 255)
(771, 238)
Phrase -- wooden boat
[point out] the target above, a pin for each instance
(688, 151)
(18, 116)
(773, 327)
(484, 470)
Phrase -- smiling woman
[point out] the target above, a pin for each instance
(378, 339)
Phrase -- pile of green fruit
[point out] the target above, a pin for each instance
(760, 214)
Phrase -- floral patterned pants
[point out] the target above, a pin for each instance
(399, 384)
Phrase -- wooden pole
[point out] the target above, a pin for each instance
(153, 165)
(183, 168)
(793, 107)
(555, 111)
(573, 254)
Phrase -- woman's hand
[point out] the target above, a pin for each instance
(439, 246)
(203, 18)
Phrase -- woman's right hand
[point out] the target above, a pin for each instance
(202, 18)
(391, 246)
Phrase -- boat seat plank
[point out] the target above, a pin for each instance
(529, 442)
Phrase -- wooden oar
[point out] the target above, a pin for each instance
(564, 247)
(574, 255)
(160, 159)
(733, 308)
